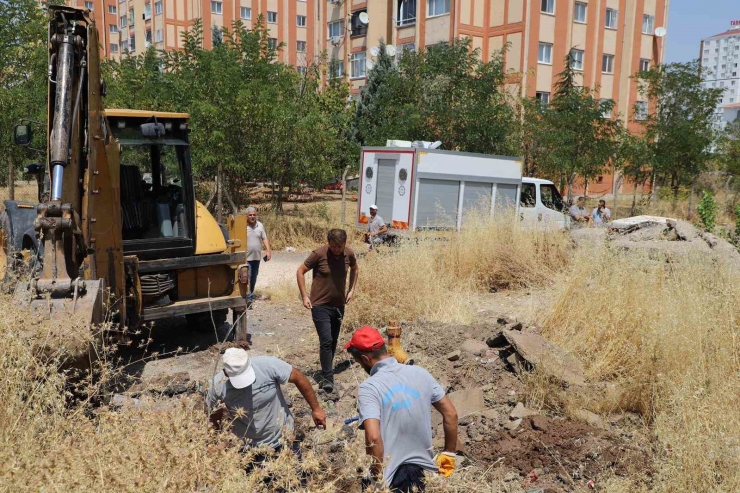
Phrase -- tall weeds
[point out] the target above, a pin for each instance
(666, 333)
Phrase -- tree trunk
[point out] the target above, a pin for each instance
(691, 199)
(615, 188)
(228, 199)
(674, 184)
(344, 194)
(728, 206)
(219, 202)
(11, 180)
(634, 202)
(654, 190)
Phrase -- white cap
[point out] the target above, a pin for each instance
(238, 367)
(374, 207)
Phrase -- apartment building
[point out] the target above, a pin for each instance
(134, 25)
(720, 56)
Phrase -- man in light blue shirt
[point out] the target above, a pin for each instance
(395, 412)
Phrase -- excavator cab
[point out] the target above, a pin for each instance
(156, 181)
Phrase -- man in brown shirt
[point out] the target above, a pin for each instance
(330, 264)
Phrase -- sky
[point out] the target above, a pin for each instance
(691, 20)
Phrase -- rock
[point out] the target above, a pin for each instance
(169, 385)
(516, 326)
(516, 362)
(119, 400)
(474, 347)
(513, 425)
(590, 418)
(502, 320)
(520, 411)
(488, 387)
(464, 421)
(497, 340)
(538, 423)
(474, 433)
(564, 479)
(511, 476)
(454, 355)
(467, 402)
(552, 359)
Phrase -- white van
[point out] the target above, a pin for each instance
(420, 188)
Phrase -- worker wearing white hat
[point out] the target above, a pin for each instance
(250, 390)
(376, 227)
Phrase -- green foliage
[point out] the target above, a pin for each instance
(680, 129)
(444, 93)
(737, 221)
(707, 210)
(729, 148)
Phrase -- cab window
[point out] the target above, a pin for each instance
(529, 195)
(551, 197)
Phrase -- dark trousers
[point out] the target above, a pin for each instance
(254, 270)
(408, 478)
(328, 322)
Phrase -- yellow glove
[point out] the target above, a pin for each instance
(446, 463)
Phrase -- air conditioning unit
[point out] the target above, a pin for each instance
(335, 40)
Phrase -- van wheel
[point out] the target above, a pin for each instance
(202, 321)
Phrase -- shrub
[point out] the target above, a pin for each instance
(707, 210)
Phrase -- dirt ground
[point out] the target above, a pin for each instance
(543, 451)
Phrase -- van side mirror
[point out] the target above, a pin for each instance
(22, 135)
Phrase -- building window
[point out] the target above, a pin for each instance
(610, 22)
(641, 109)
(131, 19)
(358, 28)
(158, 9)
(132, 43)
(406, 12)
(113, 29)
(336, 68)
(547, 6)
(705, 61)
(301, 20)
(644, 65)
(245, 13)
(147, 11)
(579, 13)
(300, 46)
(124, 45)
(438, 7)
(217, 35)
(402, 49)
(607, 110)
(272, 43)
(216, 7)
(158, 36)
(543, 98)
(112, 9)
(577, 60)
(124, 21)
(358, 67)
(336, 29)
(272, 17)
(90, 5)
(607, 64)
(648, 24)
(706, 52)
(113, 48)
(544, 54)
(301, 70)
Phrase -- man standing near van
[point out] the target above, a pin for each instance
(329, 295)
(376, 227)
(395, 412)
(256, 236)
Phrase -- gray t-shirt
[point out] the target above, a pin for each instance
(265, 412)
(255, 235)
(401, 396)
(375, 225)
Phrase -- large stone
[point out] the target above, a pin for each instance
(513, 425)
(454, 355)
(553, 360)
(474, 347)
(467, 402)
(520, 411)
(590, 418)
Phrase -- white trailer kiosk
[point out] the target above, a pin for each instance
(419, 188)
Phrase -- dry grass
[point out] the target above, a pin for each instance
(665, 338)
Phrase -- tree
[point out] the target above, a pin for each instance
(680, 129)
(577, 137)
(634, 158)
(23, 50)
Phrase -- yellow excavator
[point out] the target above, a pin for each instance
(121, 234)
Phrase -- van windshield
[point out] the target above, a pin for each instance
(551, 198)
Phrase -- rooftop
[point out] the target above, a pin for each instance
(734, 30)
